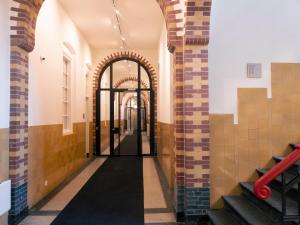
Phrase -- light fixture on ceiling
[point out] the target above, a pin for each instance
(118, 25)
(107, 21)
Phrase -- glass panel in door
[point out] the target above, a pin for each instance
(117, 123)
(145, 122)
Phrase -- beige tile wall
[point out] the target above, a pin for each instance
(105, 135)
(91, 140)
(4, 135)
(53, 157)
(265, 127)
(166, 154)
(4, 159)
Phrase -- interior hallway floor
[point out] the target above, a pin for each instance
(157, 199)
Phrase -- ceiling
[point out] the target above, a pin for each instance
(140, 22)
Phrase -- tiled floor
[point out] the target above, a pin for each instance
(145, 144)
(157, 205)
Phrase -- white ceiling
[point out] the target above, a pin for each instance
(140, 20)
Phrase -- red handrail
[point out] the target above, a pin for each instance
(261, 189)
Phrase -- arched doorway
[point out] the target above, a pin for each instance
(188, 36)
(113, 86)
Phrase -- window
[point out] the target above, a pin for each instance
(67, 122)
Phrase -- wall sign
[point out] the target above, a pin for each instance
(254, 70)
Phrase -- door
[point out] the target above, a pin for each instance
(116, 123)
(121, 128)
(86, 115)
(124, 135)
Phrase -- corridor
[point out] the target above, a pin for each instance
(151, 206)
(162, 112)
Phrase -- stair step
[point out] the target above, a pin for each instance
(293, 145)
(221, 217)
(280, 158)
(278, 179)
(247, 211)
(274, 201)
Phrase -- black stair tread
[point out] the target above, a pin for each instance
(248, 211)
(275, 199)
(280, 158)
(288, 177)
(293, 145)
(221, 217)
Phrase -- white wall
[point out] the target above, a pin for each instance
(165, 81)
(54, 28)
(245, 32)
(4, 63)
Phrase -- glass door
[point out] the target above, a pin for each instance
(126, 124)
(125, 110)
(115, 123)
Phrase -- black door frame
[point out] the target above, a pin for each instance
(112, 90)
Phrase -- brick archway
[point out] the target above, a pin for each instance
(187, 24)
(128, 79)
(130, 56)
(144, 98)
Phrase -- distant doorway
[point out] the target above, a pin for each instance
(125, 110)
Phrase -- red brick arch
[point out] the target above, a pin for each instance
(130, 56)
(128, 79)
(128, 97)
(187, 23)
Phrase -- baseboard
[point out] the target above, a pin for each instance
(192, 219)
(16, 219)
(63, 184)
(180, 217)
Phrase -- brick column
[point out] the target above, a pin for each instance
(23, 16)
(18, 139)
(179, 132)
(196, 109)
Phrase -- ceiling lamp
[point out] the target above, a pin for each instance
(118, 25)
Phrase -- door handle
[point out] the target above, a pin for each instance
(116, 130)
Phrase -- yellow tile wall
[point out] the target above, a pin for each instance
(4, 159)
(53, 157)
(265, 128)
(166, 153)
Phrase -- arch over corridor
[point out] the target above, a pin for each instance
(107, 63)
(188, 36)
(128, 79)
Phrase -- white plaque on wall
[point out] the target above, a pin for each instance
(254, 70)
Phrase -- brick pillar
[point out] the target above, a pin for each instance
(23, 16)
(18, 139)
(196, 130)
(196, 109)
(179, 132)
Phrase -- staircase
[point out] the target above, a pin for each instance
(248, 209)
